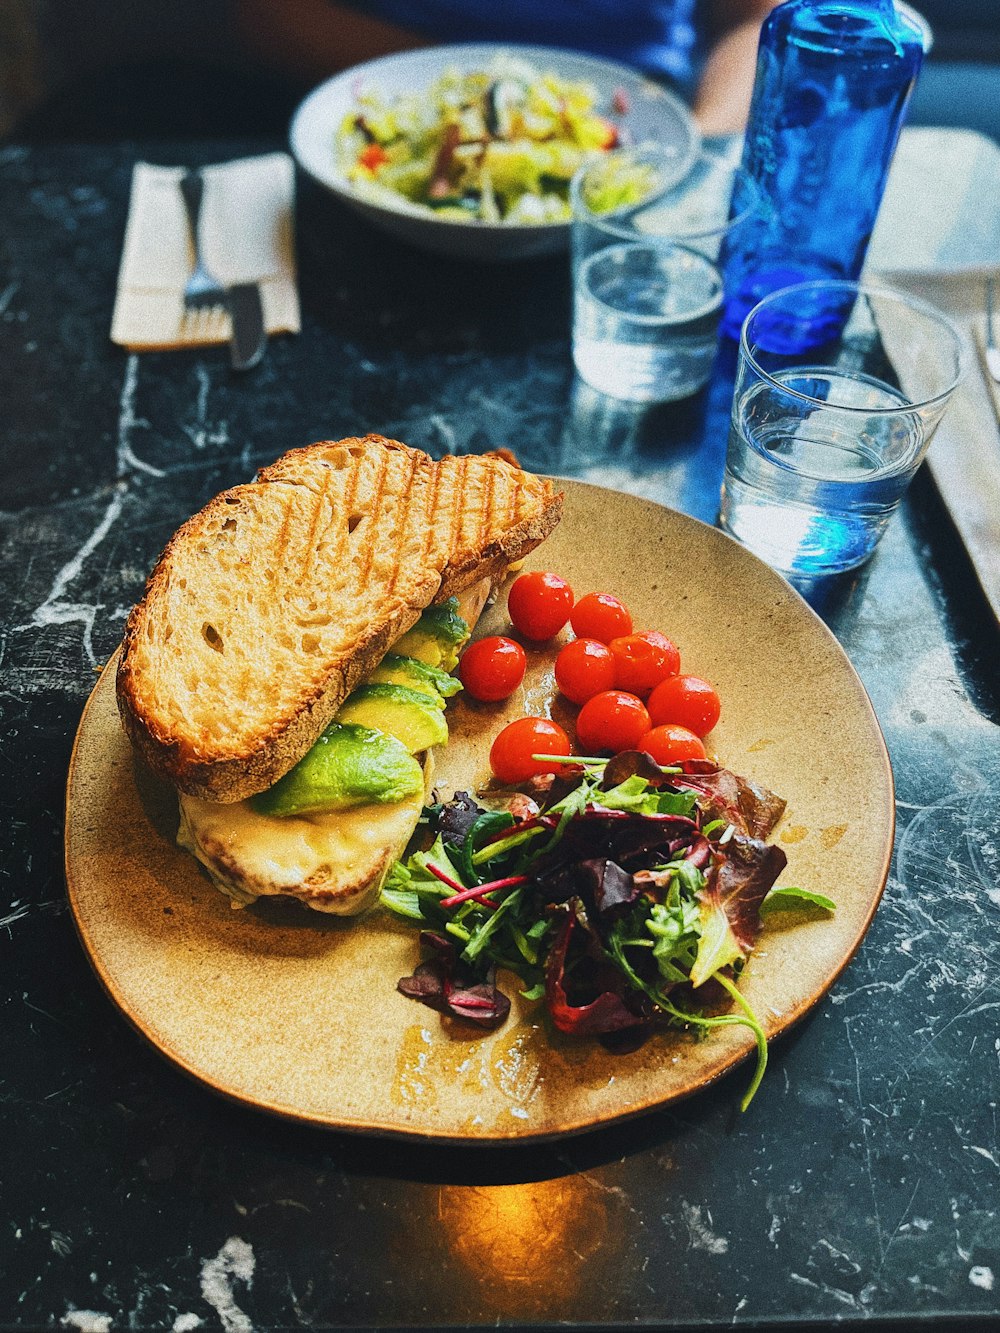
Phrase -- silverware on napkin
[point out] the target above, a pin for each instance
(204, 292)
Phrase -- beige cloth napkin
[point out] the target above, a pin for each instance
(247, 235)
(964, 457)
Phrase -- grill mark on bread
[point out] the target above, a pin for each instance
(223, 725)
(413, 492)
(434, 490)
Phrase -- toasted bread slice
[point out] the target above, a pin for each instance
(272, 603)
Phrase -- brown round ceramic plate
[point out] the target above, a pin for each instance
(298, 1013)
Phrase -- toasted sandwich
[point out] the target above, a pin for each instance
(287, 667)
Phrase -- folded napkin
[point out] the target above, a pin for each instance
(964, 457)
(247, 235)
(939, 213)
(992, 387)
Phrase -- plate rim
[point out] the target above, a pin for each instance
(512, 1136)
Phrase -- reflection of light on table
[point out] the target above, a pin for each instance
(530, 1243)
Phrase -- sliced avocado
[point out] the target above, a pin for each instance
(349, 765)
(436, 637)
(429, 680)
(406, 714)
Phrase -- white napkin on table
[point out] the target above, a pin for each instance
(247, 235)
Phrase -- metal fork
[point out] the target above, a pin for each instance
(991, 349)
(202, 291)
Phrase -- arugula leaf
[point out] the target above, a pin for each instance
(747, 1019)
(403, 902)
(636, 795)
(481, 936)
(572, 804)
(441, 856)
(790, 898)
(502, 846)
(676, 931)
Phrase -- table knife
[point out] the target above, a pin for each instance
(249, 335)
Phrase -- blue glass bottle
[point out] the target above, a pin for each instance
(833, 81)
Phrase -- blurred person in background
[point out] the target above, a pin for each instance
(706, 49)
(133, 67)
(187, 68)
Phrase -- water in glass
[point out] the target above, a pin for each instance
(811, 492)
(645, 321)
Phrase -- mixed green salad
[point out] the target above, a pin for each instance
(630, 898)
(498, 145)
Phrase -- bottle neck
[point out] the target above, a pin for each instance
(830, 23)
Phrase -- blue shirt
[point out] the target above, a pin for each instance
(658, 37)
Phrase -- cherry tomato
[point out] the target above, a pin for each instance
(643, 660)
(670, 743)
(539, 604)
(611, 721)
(492, 669)
(510, 757)
(598, 615)
(687, 700)
(584, 667)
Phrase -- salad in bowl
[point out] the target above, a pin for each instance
(469, 150)
(498, 145)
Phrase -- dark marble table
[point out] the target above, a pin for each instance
(863, 1186)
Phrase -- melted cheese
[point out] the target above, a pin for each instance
(472, 600)
(335, 862)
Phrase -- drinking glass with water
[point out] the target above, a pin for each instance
(823, 445)
(647, 293)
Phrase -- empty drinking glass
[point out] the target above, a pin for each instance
(647, 292)
(824, 442)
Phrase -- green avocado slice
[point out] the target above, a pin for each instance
(407, 714)
(436, 637)
(394, 669)
(349, 765)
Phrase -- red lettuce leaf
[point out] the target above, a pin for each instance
(604, 883)
(442, 983)
(631, 764)
(740, 882)
(750, 807)
(457, 818)
(619, 835)
(607, 1012)
(736, 884)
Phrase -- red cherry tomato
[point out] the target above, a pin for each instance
(598, 615)
(510, 757)
(643, 660)
(669, 744)
(611, 721)
(492, 669)
(687, 700)
(584, 667)
(539, 604)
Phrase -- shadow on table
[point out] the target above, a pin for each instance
(972, 627)
(393, 298)
(713, 1113)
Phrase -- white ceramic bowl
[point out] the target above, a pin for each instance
(654, 115)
